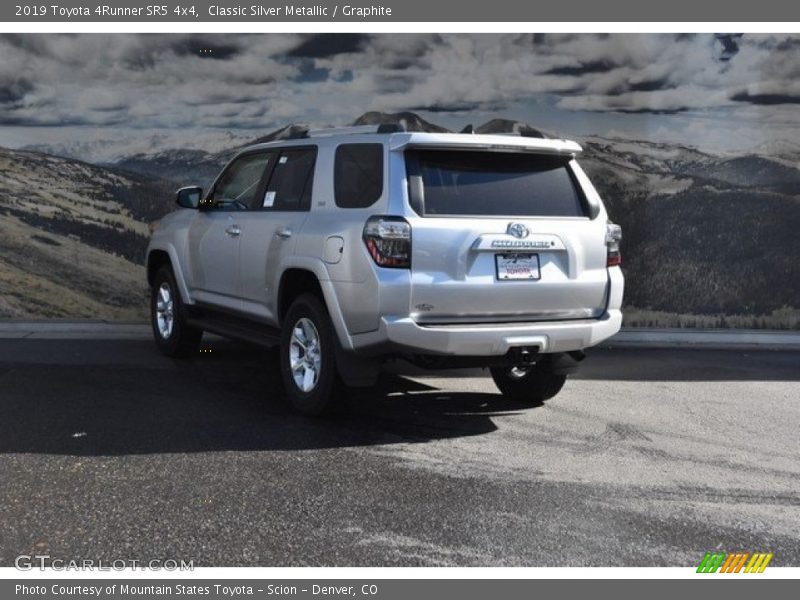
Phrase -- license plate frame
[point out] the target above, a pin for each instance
(503, 259)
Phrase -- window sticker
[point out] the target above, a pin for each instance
(269, 199)
(283, 160)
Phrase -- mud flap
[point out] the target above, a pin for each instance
(564, 363)
(356, 371)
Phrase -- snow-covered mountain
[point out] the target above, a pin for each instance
(704, 232)
(112, 150)
(511, 126)
(777, 148)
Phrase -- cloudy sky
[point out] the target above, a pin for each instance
(718, 93)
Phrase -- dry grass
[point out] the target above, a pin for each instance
(784, 318)
(68, 280)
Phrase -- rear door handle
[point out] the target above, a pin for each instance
(233, 230)
(284, 233)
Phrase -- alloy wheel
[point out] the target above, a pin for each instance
(305, 357)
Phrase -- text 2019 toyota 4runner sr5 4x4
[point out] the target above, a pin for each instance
(347, 246)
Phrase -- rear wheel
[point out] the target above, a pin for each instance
(528, 384)
(308, 360)
(167, 315)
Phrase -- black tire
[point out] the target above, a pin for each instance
(181, 340)
(320, 398)
(532, 385)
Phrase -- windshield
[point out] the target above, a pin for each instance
(459, 182)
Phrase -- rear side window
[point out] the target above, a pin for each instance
(289, 187)
(358, 175)
(446, 182)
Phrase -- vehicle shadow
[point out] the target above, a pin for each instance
(232, 401)
(109, 398)
(676, 364)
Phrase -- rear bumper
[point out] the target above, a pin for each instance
(488, 340)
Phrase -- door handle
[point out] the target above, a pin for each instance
(284, 233)
(233, 230)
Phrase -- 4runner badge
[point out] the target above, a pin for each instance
(518, 230)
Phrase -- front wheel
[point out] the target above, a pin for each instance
(528, 384)
(174, 337)
(308, 359)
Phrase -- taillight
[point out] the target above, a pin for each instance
(613, 237)
(388, 241)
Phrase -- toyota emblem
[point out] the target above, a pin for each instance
(518, 230)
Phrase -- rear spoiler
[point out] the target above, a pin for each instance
(491, 143)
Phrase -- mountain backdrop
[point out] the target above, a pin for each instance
(710, 239)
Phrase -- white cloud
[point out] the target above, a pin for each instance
(263, 81)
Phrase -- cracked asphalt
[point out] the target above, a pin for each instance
(648, 457)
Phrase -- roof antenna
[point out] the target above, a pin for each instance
(468, 129)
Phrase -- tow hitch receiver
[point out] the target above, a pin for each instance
(523, 355)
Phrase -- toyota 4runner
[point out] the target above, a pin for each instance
(345, 247)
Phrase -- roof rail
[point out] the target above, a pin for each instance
(297, 132)
(357, 129)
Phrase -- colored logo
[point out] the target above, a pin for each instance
(738, 562)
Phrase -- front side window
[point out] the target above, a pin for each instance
(239, 184)
(478, 183)
(289, 187)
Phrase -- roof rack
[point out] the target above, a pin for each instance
(357, 129)
(303, 132)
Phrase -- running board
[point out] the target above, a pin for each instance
(237, 328)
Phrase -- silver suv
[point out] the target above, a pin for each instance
(345, 247)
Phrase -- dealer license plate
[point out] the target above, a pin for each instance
(517, 266)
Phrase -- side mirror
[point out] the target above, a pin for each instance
(189, 197)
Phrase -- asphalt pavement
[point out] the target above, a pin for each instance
(647, 457)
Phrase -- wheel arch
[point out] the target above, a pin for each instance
(157, 257)
(311, 277)
(354, 370)
(294, 282)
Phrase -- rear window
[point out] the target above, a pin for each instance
(358, 175)
(446, 182)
